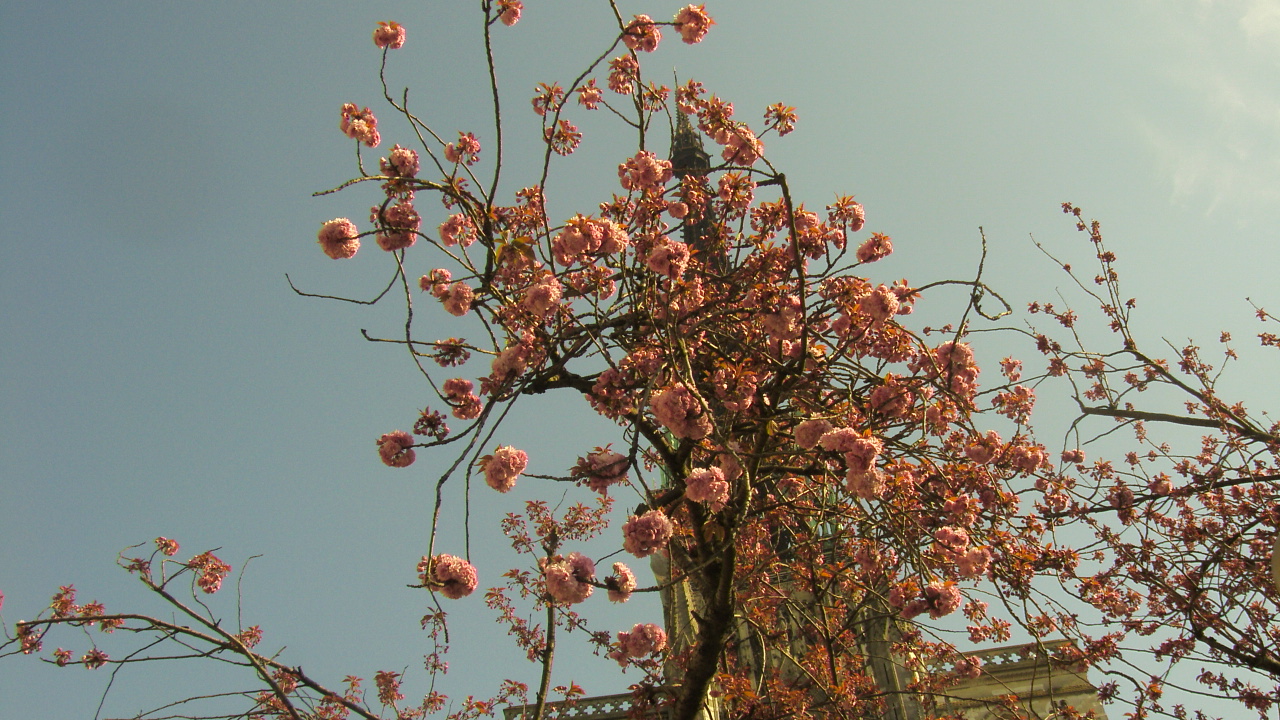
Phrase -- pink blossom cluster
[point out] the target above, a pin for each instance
(876, 247)
(892, 399)
(465, 403)
(1027, 458)
(680, 412)
(973, 562)
(509, 11)
(339, 238)
(590, 95)
(584, 238)
(808, 433)
(847, 211)
(458, 228)
(401, 162)
(693, 22)
(564, 138)
(938, 599)
(621, 583)
(456, 298)
(642, 34)
(644, 639)
(741, 146)
(396, 449)
(860, 452)
(643, 535)
(737, 190)
(624, 71)
(547, 98)
(164, 545)
(508, 365)
(431, 423)
(645, 172)
(707, 485)
(880, 305)
(503, 467)
(954, 362)
(985, 449)
(212, 571)
(360, 124)
(398, 225)
(389, 35)
(735, 389)
(569, 578)
(542, 296)
(600, 469)
(784, 318)
(454, 577)
(1015, 404)
(466, 151)
(669, 258)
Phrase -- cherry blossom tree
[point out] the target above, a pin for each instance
(840, 503)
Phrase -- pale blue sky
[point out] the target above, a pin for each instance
(157, 376)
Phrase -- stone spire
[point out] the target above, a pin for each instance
(690, 157)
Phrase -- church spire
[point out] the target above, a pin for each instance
(690, 157)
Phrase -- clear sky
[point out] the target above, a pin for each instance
(158, 377)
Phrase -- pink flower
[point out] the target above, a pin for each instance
(709, 486)
(600, 469)
(809, 432)
(644, 639)
(974, 562)
(400, 223)
(402, 162)
(466, 404)
(508, 365)
(952, 538)
(1073, 456)
(569, 579)
(94, 659)
(458, 301)
(642, 34)
(465, 151)
(454, 577)
(645, 171)
(166, 546)
(211, 569)
(985, 449)
(969, 667)
(942, 598)
(741, 146)
(681, 413)
(624, 71)
(503, 467)
(892, 399)
(396, 449)
(847, 211)
(880, 305)
(389, 35)
(621, 583)
(339, 238)
(589, 95)
(643, 535)
(542, 296)
(510, 11)
(360, 125)
(436, 282)
(693, 22)
(458, 228)
(876, 247)
(670, 258)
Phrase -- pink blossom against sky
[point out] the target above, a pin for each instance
(146, 298)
